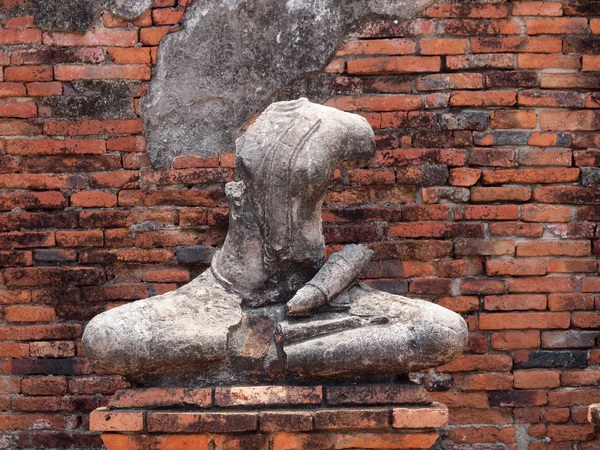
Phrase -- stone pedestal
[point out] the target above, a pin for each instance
(384, 416)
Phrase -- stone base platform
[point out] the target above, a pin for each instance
(383, 416)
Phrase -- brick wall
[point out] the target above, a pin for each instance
(484, 197)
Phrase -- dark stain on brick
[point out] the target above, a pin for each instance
(587, 46)
(95, 99)
(513, 78)
(575, 359)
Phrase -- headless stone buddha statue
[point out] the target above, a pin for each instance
(270, 308)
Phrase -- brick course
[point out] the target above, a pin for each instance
(483, 197)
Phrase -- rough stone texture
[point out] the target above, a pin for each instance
(234, 57)
(73, 15)
(221, 327)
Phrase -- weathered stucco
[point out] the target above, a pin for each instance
(73, 15)
(236, 56)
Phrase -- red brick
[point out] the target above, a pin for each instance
(546, 213)
(524, 321)
(562, 25)
(91, 127)
(491, 61)
(508, 119)
(28, 73)
(52, 349)
(167, 16)
(29, 314)
(504, 26)
(351, 419)
(124, 71)
(44, 386)
(440, 82)
(122, 421)
(561, 433)
(515, 302)
(516, 340)
(569, 120)
(483, 98)
(94, 199)
(462, 304)
(93, 238)
(43, 89)
(27, 147)
(574, 248)
(543, 284)
(277, 421)
(98, 37)
(484, 247)
(153, 35)
(516, 44)
(536, 379)
(586, 319)
(24, 421)
(442, 46)
(377, 47)
(552, 61)
(568, 265)
(500, 194)
(135, 55)
(17, 37)
(515, 267)
(491, 212)
(469, 363)
(267, 396)
(537, 9)
(434, 416)
(517, 229)
(378, 103)
(229, 422)
(483, 11)
(396, 65)
(483, 382)
(550, 99)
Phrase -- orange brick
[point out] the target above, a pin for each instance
(537, 9)
(125, 71)
(546, 213)
(542, 284)
(377, 47)
(573, 248)
(135, 55)
(443, 46)
(562, 25)
(397, 65)
(94, 199)
(537, 379)
(43, 89)
(509, 119)
(524, 321)
(93, 38)
(104, 420)
(483, 98)
(115, 441)
(541, 61)
(434, 416)
(516, 340)
(28, 73)
(167, 16)
(17, 37)
(515, 302)
(30, 314)
(153, 35)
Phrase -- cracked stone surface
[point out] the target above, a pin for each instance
(234, 57)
